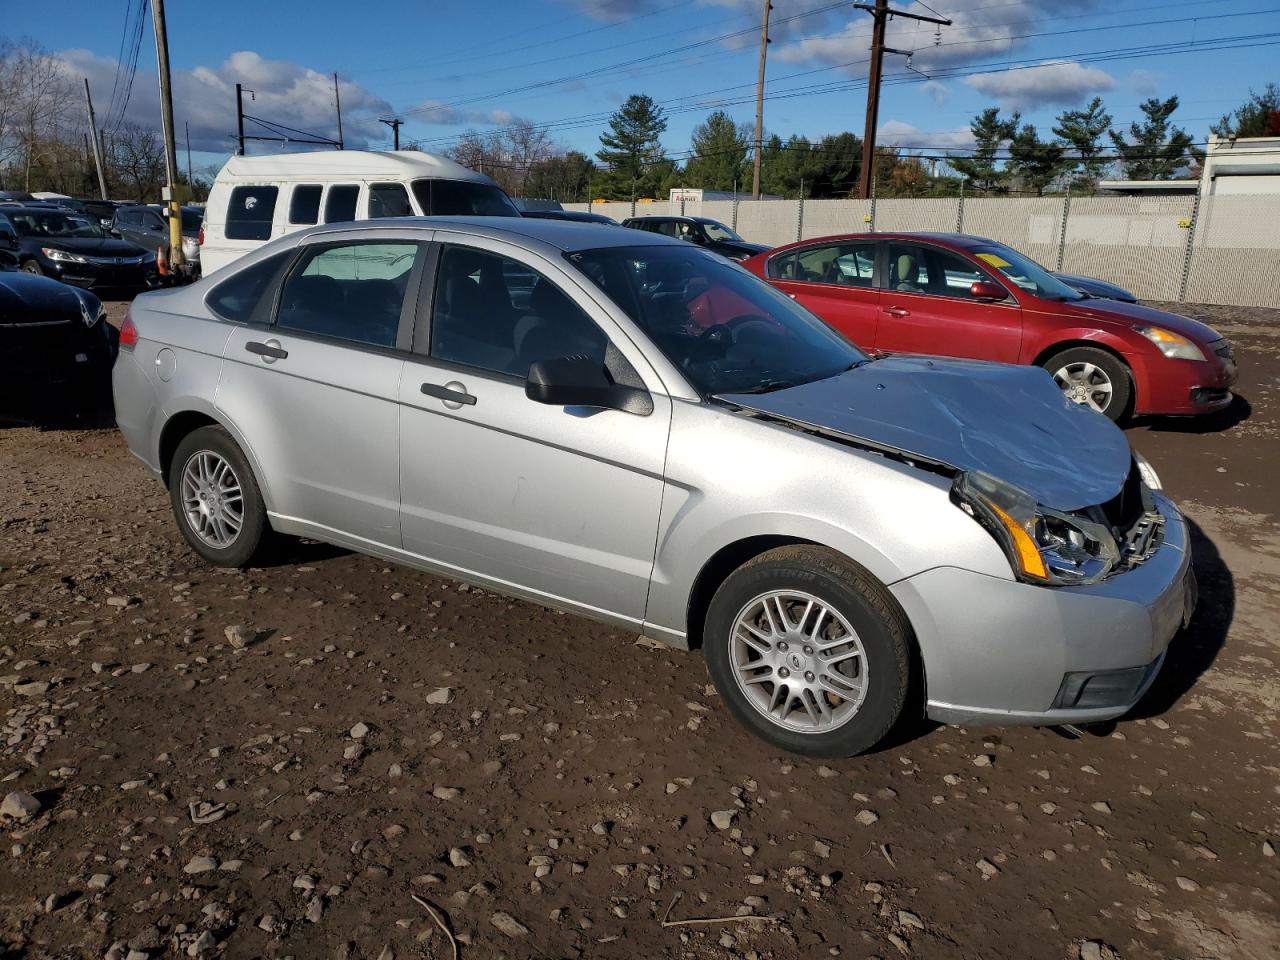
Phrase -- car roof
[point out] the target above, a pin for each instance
(565, 235)
(959, 241)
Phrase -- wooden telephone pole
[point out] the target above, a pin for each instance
(764, 47)
(882, 13)
(337, 102)
(97, 145)
(170, 138)
(394, 123)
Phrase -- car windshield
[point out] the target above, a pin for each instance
(718, 231)
(462, 198)
(32, 223)
(728, 330)
(1026, 273)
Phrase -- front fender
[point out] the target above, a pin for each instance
(1035, 348)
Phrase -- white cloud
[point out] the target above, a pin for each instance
(433, 111)
(1054, 82)
(204, 99)
(898, 133)
(1145, 83)
(937, 92)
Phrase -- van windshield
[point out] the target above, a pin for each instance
(462, 198)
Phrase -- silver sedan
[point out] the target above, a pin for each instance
(634, 429)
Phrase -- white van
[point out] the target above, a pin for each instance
(256, 199)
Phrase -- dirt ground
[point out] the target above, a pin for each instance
(547, 784)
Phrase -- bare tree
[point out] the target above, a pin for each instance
(506, 154)
(136, 158)
(35, 106)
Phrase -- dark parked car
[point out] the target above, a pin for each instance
(1097, 288)
(576, 216)
(961, 296)
(146, 226)
(55, 343)
(703, 231)
(15, 196)
(70, 247)
(9, 239)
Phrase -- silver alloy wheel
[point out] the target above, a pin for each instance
(1087, 383)
(212, 499)
(798, 661)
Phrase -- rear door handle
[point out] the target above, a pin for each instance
(270, 351)
(897, 311)
(453, 393)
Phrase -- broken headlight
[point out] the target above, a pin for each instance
(1043, 546)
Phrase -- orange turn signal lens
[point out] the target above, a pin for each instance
(1029, 557)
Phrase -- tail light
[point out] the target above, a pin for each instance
(200, 238)
(128, 333)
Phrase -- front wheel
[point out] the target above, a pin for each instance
(1092, 378)
(810, 653)
(32, 266)
(216, 500)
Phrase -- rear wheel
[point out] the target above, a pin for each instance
(1092, 378)
(810, 653)
(216, 500)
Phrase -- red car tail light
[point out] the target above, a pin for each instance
(128, 333)
(200, 238)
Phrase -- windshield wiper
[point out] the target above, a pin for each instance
(767, 386)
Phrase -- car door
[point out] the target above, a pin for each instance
(551, 502)
(926, 307)
(314, 388)
(836, 281)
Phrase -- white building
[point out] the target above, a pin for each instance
(1246, 165)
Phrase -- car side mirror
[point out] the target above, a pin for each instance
(583, 382)
(986, 290)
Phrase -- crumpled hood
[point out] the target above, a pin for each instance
(26, 298)
(1118, 311)
(1009, 421)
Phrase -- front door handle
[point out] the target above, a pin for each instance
(897, 311)
(453, 393)
(270, 352)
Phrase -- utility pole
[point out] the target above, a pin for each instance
(882, 13)
(191, 184)
(170, 145)
(97, 152)
(764, 47)
(240, 120)
(394, 123)
(337, 101)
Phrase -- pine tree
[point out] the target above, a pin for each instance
(720, 150)
(989, 131)
(631, 149)
(1036, 162)
(1083, 130)
(1259, 116)
(1159, 149)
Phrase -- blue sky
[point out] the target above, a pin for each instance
(446, 67)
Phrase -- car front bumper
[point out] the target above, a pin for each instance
(1188, 387)
(94, 276)
(1003, 652)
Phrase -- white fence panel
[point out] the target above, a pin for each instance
(768, 221)
(933, 214)
(1235, 257)
(1136, 242)
(1032, 226)
(822, 218)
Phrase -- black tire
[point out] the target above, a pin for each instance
(31, 266)
(1114, 369)
(255, 532)
(862, 601)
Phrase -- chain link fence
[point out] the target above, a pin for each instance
(1222, 249)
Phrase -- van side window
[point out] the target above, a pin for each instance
(304, 205)
(249, 213)
(340, 204)
(389, 200)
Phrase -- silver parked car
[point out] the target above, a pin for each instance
(629, 427)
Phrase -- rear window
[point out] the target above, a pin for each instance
(340, 204)
(236, 297)
(462, 198)
(249, 213)
(389, 200)
(304, 205)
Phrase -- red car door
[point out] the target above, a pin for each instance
(926, 307)
(834, 281)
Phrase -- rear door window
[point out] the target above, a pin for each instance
(389, 200)
(340, 204)
(351, 291)
(304, 205)
(249, 213)
(237, 297)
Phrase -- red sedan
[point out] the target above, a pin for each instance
(962, 296)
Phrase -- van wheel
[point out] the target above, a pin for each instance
(1092, 378)
(809, 652)
(216, 499)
